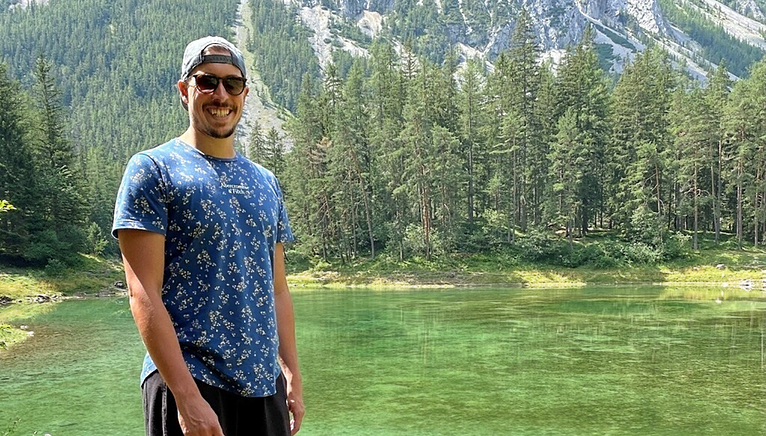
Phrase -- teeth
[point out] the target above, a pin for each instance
(220, 112)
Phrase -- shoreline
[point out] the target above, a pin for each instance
(22, 290)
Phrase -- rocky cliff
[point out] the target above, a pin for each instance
(485, 27)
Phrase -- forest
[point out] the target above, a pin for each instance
(397, 154)
(414, 158)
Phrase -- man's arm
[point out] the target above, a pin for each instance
(143, 254)
(288, 353)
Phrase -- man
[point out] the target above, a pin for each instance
(201, 230)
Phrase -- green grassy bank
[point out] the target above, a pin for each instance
(722, 267)
(21, 287)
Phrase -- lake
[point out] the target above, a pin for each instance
(589, 361)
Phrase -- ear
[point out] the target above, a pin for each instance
(183, 89)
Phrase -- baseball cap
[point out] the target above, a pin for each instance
(194, 55)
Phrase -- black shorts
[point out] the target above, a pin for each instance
(238, 415)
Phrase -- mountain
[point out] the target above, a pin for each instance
(697, 33)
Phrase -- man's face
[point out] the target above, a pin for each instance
(214, 114)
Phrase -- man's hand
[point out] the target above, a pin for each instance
(197, 418)
(295, 406)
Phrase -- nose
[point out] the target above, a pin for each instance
(220, 91)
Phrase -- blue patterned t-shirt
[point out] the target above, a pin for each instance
(221, 219)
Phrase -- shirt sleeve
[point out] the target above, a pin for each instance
(141, 200)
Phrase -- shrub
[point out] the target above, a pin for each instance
(55, 268)
(594, 254)
(541, 247)
(641, 253)
(95, 242)
(414, 242)
(676, 246)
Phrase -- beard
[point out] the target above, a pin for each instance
(219, 134)
(203, 126)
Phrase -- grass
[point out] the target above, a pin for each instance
(367, 274)
(91, 275)
(721, 263)
(10, 336)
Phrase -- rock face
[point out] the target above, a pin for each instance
(487, 26)
(558, 23)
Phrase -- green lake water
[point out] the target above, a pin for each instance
(593, 361)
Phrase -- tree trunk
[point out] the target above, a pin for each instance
(366, 199)
(715, 193)
(739, 204)
(696, 210)
(470, 184)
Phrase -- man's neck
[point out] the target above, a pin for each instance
(221, 148)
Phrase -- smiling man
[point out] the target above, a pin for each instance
(201, 230)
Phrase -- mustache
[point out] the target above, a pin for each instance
(219, 106)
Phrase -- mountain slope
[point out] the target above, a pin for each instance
(693, 31)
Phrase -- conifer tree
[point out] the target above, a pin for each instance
(745, 132)
(62, 209)
(716, 96)
(256, 148)
(61, 187)
(417, 162)
(547, 110)
(566, 172)
(583, 92)
(639, 147)
(501, 205)
(516, 82)
(17, 181)
(275, 149)
(386, 107)
(354, 154)
(306, 172)
(471, 110)
(691, 128)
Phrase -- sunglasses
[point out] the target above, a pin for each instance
(207, 83)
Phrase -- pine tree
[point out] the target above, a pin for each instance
(639, 147)
(416, 187)
(566, 172)
(745, 132)
(354, 154)
(63, 209)
(471, 113)
(515, 83)
(275, 149)
(306, 172)
(691, 127)
(256, 148)
(716, 96)
(386, 107)
(17, 177)
(547, 110)
(583, 92)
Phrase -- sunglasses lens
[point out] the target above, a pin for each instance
(206, 83)
(234, 85)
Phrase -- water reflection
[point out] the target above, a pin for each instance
(576, 361)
